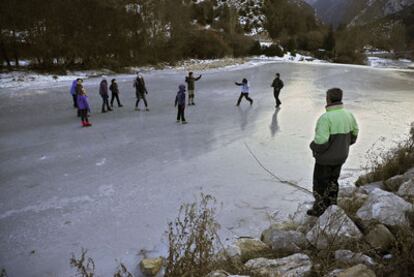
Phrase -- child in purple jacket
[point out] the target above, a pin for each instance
(83, 106)
(180, 101)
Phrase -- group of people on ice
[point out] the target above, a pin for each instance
(80, 99)
(336, 130)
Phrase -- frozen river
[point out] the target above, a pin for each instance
(112, 188)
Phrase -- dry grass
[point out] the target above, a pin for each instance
(192, 239)
(85, 266)
(122, 271)
(386, 164)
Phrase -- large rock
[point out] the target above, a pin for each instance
(394, 183)
(384, 207)
(284, 242)
(222, 273)
(348, 257)
(347, 191)
(251, 248)
(406, 190)
(296, 265)
(302, 221)
(368, 188)
(357, 271)
(218, 273)
(380, 238)
(151, 267)
(335, 272)
(332, 229)
(409, 173)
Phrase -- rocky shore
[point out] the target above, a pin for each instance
(363, 235)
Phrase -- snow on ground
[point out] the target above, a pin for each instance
(113, 187)
(389, 63)
(21, 79)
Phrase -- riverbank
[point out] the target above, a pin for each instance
(27, 78)
(370, 232)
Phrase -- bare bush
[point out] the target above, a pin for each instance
(192, 239)
(386, 164)
(123, 271)
(84, 265)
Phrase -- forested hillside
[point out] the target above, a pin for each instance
(116, 33)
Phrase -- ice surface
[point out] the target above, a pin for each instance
(113, 187)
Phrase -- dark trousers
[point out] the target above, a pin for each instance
(246, 95)
(84, 115)
(180, 113)
(75, 105)
(113, 97)
(139, 97)
(276, 93)
(325, 186)
(105, 103)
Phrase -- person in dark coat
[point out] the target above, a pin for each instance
(245, 90)
(103, 91)
(78, 90)
(336, 130)
(180, 104)
(140, 91)
(114, 93)
(83, 106)
(190, 80)
(277, 85)
(73, 92)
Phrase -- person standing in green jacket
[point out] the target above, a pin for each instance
(335, 131)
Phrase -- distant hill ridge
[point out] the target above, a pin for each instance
(356, 12)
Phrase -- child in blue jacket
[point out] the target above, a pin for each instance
(83, 107)
(180, 102)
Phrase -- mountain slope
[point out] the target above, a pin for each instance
(357, 12)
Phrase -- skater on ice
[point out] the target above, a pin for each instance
(140, 91)
(335, 131)
(78, 90)
(103, 91)
(245, 89)
(277, 85)
(83, 106)
(180, 104)
(114, 93)
(73, 92)
(190, 80)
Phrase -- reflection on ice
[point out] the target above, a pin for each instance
(274, 125)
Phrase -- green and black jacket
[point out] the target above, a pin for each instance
(336, 130)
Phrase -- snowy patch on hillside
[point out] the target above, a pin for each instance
(389, 63)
